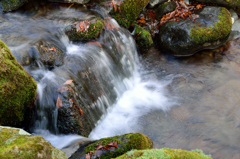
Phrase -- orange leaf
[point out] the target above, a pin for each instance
(59, 102)
(52, 49)
(68, 82)
(142, 20)
(80, 110)
(152, 14)
(62, 89)
(95, 43)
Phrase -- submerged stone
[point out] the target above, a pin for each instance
(9, 5)
(17, 89)
(17, 143)
(143, 38)
(85, 30)
(164, 153)
(128, 11)
(187, 37)
(125, 143)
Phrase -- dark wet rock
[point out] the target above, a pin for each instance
(235, 32)
(143, 39)
(71, 1)
(125, 143)
(128, 12)
(50, 54)
(155, 3)
(165, 153)
(17, 143)
(9, 5)
(165, 8)
(17, 89)
(233, 4)
(84, 30)
(186, 37)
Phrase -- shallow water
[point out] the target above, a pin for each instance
(187, 103)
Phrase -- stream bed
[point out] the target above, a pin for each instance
(186, 103)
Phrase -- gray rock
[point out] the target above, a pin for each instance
(165, 8)
(155, 3)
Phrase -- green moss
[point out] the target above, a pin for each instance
(163, 154)
(220, 30)
(8, 5)
(93, 32)
(13, 145)
(17, 88)
(129, 11)
(143, 38)
(125, 143)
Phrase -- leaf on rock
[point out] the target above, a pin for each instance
(88, 156)
(95, 43)
(80, 110)
(59, 102)
(52, 49)
(68, 82)
(62, 89)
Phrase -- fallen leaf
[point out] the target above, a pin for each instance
(88, 156)
(59, 102)
(98, 153)
(142, 20)
(62, 89)
(68, 82)
(52, 49)
(95, 43)
(80, 110)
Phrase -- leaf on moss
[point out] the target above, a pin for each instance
(59, 102)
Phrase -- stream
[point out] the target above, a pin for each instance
(185, 103)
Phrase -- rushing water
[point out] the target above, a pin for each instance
(187, 103)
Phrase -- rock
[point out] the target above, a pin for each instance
(165, 8)
(128, 12)
(164, 153)
(17, 143)
(71, 1)
(9, 5)
(125, 143)
(154, 3)
(186, 37)
(90, 30)
(50, 54)
(233, 4)
(143, 38)
(17, 89)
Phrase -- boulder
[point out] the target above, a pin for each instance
(186, 37)
(233, 4)
(143, 38)
(154, 3)
(164, 153)
(85, 30)
(165, 8)
(17, 89)
(17, 143)
(71, 1)
(125, 143)
(127, 11)
(9, 5)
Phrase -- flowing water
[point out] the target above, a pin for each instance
(187, 103)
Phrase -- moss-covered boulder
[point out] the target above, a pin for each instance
(125, 143)
(85, 30)
(128, 12)
(16, 143)
(187, 37)
(9, 5)
(17, 89)
(143, 39)
(164, 153)
(233, 4)
(165, 8)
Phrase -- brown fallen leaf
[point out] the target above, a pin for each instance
(95, 43)
(62, 89)
(68, 82)
(142, 20)
(52, 49)
(88, 156)
(80, 110)
(59, 102)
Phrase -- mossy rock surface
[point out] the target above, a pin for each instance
(92, 32)
(187, 37)
(125, 143)
(129, 11)
(17, 89)
(164, 153)
(143, 39)
(9, 5)
(233, 4)
(16, 143)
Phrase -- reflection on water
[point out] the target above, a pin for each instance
(208, 90)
